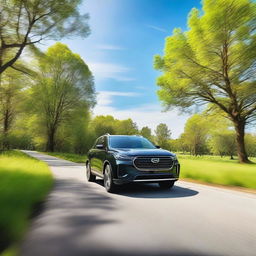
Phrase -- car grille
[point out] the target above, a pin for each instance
(164, 162)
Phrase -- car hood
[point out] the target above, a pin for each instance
(144, 152)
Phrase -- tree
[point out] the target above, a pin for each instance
(163, 134)
(214, 62)
(126, 127)
(27, 22)
(102, 125)
(250, 142)
(195, 134)
(64, 84)
(10, 95)
(223, 143)
(146, 132)
(175, 145)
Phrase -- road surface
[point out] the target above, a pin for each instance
(81, 218)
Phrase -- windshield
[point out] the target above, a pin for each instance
(129, 142)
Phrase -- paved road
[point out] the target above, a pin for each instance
(81, 218)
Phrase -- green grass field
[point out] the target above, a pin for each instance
(24, 182)
(217, 170)
(68, 156)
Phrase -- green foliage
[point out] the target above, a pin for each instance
(103, 124)
(195, 134)
(175, 145)
(24, 182)
(63, 87)
(146, 132)
(27, 22)
(11, 95)
(107, 124)
(250, 142)
(213, 62)
(218, 171)
(126, 127)
(223, 143)
(163, 134)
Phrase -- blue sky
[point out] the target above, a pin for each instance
(125, 35)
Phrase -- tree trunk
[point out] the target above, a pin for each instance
(6, 127)
(241, 151)
(50, 146)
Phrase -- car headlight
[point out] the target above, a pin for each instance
(174, 157)
(123, 157)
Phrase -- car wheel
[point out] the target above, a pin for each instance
(166, 184)
(89, 175)
(108, 179)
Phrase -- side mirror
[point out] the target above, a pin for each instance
(157, 146)
(100, 146)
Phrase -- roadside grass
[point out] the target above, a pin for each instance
(68, 156)
(212, 158)
(217, 170)
(24, 183)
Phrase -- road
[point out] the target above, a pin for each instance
(81, 218)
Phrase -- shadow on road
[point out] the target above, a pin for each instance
(144, 190)
(71, 213)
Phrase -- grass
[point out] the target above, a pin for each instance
(217, 170)
(69, 156)
(24, 182)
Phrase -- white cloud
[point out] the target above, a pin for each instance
(109, 47)
(106, 70)
(157, 28)
(147, 115)
(105, 98)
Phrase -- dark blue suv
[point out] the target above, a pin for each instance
(120, 159)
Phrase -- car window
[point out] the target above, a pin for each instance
(130, 142)
(101, 140)
(96, 142)
(105, 141)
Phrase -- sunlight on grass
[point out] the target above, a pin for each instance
(218, 171)
(24, 182)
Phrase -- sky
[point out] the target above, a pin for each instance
(125, 36)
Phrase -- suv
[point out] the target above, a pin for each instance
(121, 159)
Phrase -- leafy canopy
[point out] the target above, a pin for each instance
(26, 22)
(214, 61)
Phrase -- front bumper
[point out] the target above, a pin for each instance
(126, 172)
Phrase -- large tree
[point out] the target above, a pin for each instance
(214, 62)
(27, 22)
(64, 84)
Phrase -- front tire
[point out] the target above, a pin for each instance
(90, 177)
(108, 179)
(166, 184)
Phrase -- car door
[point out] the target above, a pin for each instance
(97, 156)
(102, 154)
